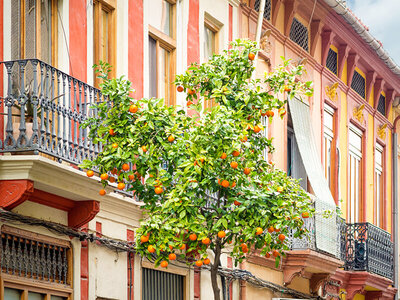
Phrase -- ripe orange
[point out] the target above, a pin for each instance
(189, 103)
(202, 160)
(246, 171)
(225, 183)
(133, 108)
(144, 238)
(114, 145)
(89, 173)
(277, 229)
(180, 88)
(233, 184)
(131, 177)
(244, 139)
(199, 263)
(144, 149)
(236, 153)
(282, 112)
(237, 203)
(182, 247)
(270, 113)
(259, 230)
(164, 264)
(206, 261)
(171, 138)
(195, 163)
(257, 129)
(114, 171)
(206, 241)
(287, 88)
(279, 189)
(151, 249)
(125, 167)
(121, 186)
(172, 256)
(170, 247)
(223, 156)
(193, 237)
(271, 229)
(219, 181)
(191, 92)
(234, 164)
(305, 215)
(102, 192)
(112, 179)
(112, 132)
(275, 253)
(221, 234)
(158, 190)
(251, 56)
(104, 176)
(281, 237)
(267, 255)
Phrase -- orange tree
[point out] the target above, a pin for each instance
(202, 177)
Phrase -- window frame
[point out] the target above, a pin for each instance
(334, 49)
(362, 74)
(300, 21)
(329, 134)
(379, 207)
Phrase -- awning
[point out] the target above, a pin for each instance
(326, 232)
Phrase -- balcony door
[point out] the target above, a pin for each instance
(34, 30)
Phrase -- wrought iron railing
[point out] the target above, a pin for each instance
(368, 248)
(43, 108)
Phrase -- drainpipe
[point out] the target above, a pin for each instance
(395, 208)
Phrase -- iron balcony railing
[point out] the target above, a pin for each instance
(366, 247)
(43, 108)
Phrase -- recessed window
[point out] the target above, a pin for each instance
(328, 146)
(331, 61)
(299, 34)
(358, 84)
(382, 105)
(164, 283)
(267, 8)
(378, 201)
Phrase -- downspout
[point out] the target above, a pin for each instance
(395, 208)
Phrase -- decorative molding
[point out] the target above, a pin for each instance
(291, 7)
(371, 76)
(317, 280)
(14, 192)
(275, 5)
(327, 37)
(82, 213)
(378, 87)
(351, 66)
(358, 113)
(331, 91)
(315, 32)
(343, 50)
(389, 100)
(382, 131)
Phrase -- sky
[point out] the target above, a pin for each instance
(383, 20)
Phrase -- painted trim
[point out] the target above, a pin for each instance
(14, 192)
(130, 237)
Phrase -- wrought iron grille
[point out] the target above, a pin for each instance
(43, 110)
(307, 242)
(358, 84)
(331, 61)
(29, 258)
(299, 34)
(158, 285)
(368, 248)
(267, 8)
(382, 105)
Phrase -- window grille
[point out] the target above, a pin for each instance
(358, 84)
(331, 61)
(382, 105)
(299, 34)
(30, 258)
(267, 8)
(158, 285)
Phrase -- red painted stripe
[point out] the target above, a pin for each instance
(193, 49)
(135, 46)
(196, 287)
(84, 268)
(78, 39)
(99, 229)
(230, 22)
(130, 236)
(230, 266)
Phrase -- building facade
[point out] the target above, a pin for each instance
(61, 240)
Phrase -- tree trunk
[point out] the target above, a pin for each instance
(214, 272)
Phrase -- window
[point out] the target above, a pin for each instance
(332, 61)
(34, 266)
(299, 34)
(354, 175)
(378, 201)
(169, 285)
(328, 147)
(104, 27)
(358, 84)
(34, 30)
(295, 167)
(267, 8)
(382, 105)
(162, 46)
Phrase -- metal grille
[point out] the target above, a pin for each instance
(158, 285)
(267, 8)
(331, 61)
(368, 248)
(299, 34)
(382, 105)
(29, 258)
(358, 84)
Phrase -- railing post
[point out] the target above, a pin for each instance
(35, 101)
(9, 141)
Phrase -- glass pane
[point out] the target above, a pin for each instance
(58, 298)
(35, 296)
(30, 29)
(11, 294)
(163, 76)
(209, 43)
(160, 16)
(45, 32)
(104, 37)
(152, 67)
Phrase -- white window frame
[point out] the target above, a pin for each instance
(354, 174)
(378, 201)
(328, 142)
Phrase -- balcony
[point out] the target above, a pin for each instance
(43, 108)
